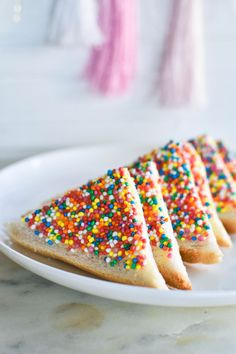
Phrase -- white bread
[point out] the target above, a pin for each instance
(168, 260)
(195, 236)
(148, 275)
(228, 157)
(221, 231)
(221, 182)
(229, 220)
(203, 189)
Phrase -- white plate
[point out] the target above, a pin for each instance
(26, 184)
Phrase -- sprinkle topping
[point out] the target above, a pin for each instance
(228, 157)
(189, 220)
(222, 185)
(146, 180)
(99, 218)
(200, 178)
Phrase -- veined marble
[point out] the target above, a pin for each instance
(38, 316)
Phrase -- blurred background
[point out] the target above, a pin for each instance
(45, 103)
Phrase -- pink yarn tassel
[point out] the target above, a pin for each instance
(112, 65)
(182, 74)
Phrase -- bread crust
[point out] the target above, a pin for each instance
(229, 220)
(175, 278)
(200, 255)
(222, 237)
(203, 188)
(172, 269)
(147, 276)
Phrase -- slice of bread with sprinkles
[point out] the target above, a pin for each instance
(197, 242)
(164, 245)
(202, 185)
(98, 227)
(228, 157)
(222, 185)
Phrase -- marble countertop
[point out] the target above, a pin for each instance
(38, 316)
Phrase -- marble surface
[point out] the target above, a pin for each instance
(38, 316)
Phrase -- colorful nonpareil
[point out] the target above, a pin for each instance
(203, 189)
(222, 185)
(228, 157)
(200, 178)
(164, 246)
(146, 180)
(189, 219)
(99, 218)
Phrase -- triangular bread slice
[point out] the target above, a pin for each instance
(98, 227)
(222, 185)
(197, 242)
(164, 245)
(228, 157)
(203, 189)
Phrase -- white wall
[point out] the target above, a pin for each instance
(44, 104)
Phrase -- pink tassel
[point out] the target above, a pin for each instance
(112, 65)
(182, 79)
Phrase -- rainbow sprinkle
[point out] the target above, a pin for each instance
(200, 178)
(99, 218)
(228, 157)
(146, 180)
(222, 185)
(189, 220)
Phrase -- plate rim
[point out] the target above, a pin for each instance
(163, 298)
(68, 149)
(193, 298)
